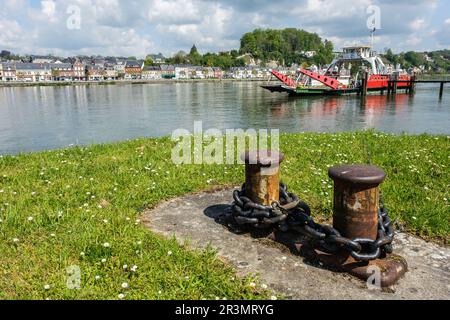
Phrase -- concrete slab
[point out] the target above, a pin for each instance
(194, 218)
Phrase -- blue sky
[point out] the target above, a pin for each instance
(138, 27)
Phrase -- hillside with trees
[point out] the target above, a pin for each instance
(287, 46)
(224, 60)
(433, 61)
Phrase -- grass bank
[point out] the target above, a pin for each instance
(80, 207)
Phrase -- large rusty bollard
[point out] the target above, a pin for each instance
(262, 176)
(356, 200)
(355, 215)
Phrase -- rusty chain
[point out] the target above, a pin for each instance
(290, 213)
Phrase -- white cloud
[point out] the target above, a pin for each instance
(443, 35)
(136, 27)
(11, 31)
(48, 8)
(175, 12)
(413, 41)
(417, 24)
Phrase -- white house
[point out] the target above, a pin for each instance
(7, 72)
(182, 71)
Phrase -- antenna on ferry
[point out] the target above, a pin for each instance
(371, 37)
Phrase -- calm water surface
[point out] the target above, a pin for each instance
(41, 118)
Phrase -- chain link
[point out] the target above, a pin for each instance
(290, 213)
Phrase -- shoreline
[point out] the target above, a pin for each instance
(120, 82)
(152, 81)
(164, 137)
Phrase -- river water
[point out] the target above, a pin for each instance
(42, 118)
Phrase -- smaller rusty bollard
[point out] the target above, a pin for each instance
(355, 215)
(262, 176)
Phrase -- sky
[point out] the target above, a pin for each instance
(139, 27)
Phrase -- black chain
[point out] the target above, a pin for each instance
(293, 214)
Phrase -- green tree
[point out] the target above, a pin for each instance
(194, 56)
(179, 58)
(415, 59)
(193, 50)
(390, 56)
(148, 61)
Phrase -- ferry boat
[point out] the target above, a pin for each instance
(345, 75)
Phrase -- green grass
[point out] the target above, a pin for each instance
(82, 198)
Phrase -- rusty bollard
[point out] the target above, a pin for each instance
(355, 215)
(262, 176)
(356, 200)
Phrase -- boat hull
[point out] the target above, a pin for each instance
(375, 83)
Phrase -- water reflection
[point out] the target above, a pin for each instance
(39, 118)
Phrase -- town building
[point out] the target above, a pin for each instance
(183, 71)
(62, 71)
(111, 74)
(157, 58)
(308, 54)
(152, 73)
(208, 72)
(8, 71)
(120, 68)
(218, 72)
(251, 72)
(33, 72)
(42, 59)
(99, 62)
(133, 69)
(95, 73)
(196, 72)
(79, 70)
(167, 71)
(240, 72)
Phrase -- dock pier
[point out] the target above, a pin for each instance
(365, 79)
(392, 85)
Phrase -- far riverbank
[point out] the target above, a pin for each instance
(168, 81)
(119, 82)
